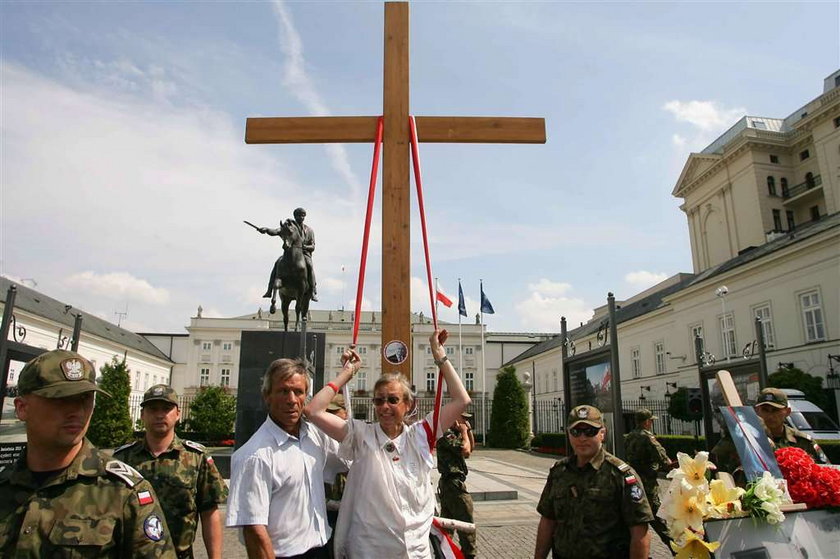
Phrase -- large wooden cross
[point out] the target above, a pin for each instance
(396, 261)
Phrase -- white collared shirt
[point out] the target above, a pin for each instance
(277, 481)
(389, 500)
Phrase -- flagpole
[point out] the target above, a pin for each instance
(483, 377)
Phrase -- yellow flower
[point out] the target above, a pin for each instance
(685, 508)
(723, 501)
(692, 470)
(694, 547)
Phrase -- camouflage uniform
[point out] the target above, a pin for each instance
(186, 481)
(647, 457)
(96, 507)
(455, 500)
(593, 507)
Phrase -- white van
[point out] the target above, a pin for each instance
(809, 418)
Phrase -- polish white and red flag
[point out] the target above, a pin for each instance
(449, 549)
(443, 299)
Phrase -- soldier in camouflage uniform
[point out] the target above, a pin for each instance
(593, 505)
(182, 472)
(64, 497)
(453, 448)
(772, 407)
(647, 457)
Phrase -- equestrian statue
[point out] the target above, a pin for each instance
(292, 276)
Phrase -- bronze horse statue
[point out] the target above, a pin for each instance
(289, 277)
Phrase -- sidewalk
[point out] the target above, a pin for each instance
(507, 524)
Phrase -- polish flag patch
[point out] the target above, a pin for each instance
(145, 497)
(630, 480)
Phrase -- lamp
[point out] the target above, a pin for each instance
(642, 392)
(667, 391)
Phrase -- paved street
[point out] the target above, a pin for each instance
(506, 528)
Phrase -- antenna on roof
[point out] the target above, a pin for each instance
(121, 315)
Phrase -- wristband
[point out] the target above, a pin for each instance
(333, 386)
(441, 361)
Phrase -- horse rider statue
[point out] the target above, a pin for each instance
(307, 237)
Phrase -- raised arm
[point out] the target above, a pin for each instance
(316, 410)
(460, 399)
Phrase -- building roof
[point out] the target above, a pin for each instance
(654, 300)
(53, 310)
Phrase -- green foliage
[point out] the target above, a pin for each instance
(111, 423)
(678, 405)
(800, 380)
(681, 443)
(509, 419)
(549, 440)
(212, 413)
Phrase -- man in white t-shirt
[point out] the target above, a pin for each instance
(277, 485)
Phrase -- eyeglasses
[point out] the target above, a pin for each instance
(393, 400)
(589, 431)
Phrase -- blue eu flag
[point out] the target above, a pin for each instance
(486, 307)
(462, 305)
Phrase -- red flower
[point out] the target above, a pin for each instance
(809, 483)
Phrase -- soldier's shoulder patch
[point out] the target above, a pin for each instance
(636, 493)
(153, 527)
(560, 463)
(125, 446)
(805, 436)
(124, 472)
(198, 447)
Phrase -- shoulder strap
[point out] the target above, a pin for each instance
(125, 446)
(124, 472)
(198, 447)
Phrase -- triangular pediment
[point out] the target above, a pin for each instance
(697, 164)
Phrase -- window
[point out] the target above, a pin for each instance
(469, 380)
(361, 380)
(727, 333)
(812, 316)
(763, 314)
(227, 346)
(809, 180)
(771, 186)
(777, 220)
(774, 158)
(146, 381)
(791, 222)
(803, 155)
(430, 380)
(362, 350)
(450, 350)
(783, 181)
(224, 377)
(636, 362)
(468, 351)
(815, 213)
(137, 380)
(837, 122)
(659, 354)
(204, 377)
(206, 346)
(339, 349)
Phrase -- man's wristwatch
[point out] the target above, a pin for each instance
(441, 361)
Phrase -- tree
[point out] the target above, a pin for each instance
(796, 378)
(509, 420)
(110, 425)
(678, 405)
(212, 413)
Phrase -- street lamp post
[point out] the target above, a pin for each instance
(721, 292)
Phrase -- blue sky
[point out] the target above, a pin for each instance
(125, 177)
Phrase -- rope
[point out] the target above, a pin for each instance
(360, 286)
(418, 181)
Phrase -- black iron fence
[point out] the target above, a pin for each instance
(550, 416)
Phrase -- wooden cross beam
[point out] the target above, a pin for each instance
(396, 216)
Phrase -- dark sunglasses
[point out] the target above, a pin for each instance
(589, 431)
(393, 400)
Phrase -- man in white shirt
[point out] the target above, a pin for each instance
(277, 486)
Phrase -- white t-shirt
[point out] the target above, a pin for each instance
(277, 481)
(389, 500)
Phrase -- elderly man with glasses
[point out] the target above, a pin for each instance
(593, 504)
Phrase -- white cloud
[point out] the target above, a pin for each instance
(705, 115)
(547, 302)
(119, 286)
(298, 81)
(678, 141)
(643, 279)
